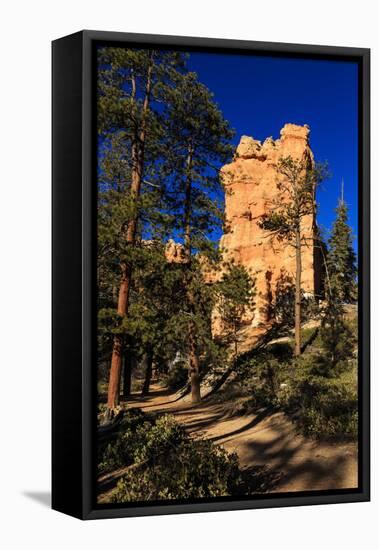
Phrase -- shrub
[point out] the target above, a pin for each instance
(325, 407)
(192, 469)
(264, 373)
(337, 342)
(177, 376)
(320, 399)
(121, 447)
(166, 463)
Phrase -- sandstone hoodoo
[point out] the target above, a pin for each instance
(250, 183)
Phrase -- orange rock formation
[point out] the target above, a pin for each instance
(250, 187)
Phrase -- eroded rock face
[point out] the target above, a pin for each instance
(250, 188)
(174, 252)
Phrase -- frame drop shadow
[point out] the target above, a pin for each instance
(41, 497)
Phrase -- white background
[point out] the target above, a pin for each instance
(27, 27)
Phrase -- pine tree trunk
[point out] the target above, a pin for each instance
(137, 153)
(298, 295)
(127, 386)
(116, 362)
(194, 370)
(149, 370)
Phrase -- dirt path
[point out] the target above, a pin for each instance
(263, 439)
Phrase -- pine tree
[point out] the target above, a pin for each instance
(155, 310)
(341, 258)
(337, 341)
(336, 335)
(236, 293)
(296, 187)
(197, 146)
(131, 86)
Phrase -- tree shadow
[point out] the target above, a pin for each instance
(254, 422)
(274, 329)
(148, 400)
(301, 467)
(258, 479)
(310, 340)
(200, 424)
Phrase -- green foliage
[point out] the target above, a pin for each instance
(197, 467)
(123, 446)
(131, 87)
(295, 200)
(263, 373)
(320, 399)
(236, 293)
(324, 407)
(338, 343)
(338, 338)
(177, 376)
(139, 438)
(198, 145)
(281, 310)
(296, 187)
(154, 113)
(341, 259)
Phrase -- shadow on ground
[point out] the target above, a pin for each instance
(274, 458)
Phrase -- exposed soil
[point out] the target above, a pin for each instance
(266, 439)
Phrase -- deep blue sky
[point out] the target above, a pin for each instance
(258, 95)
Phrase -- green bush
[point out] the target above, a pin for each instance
(123, 446)
(166, 463)
(192, 469)
(177, 377)
(320, 399)
(325, 407)
(140, 437)
(262, 375)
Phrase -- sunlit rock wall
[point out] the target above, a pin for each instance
(250, 182)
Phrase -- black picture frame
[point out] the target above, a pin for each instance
(74, 293)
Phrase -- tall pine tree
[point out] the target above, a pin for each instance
(297, 182)
(198, 145)
(341, 259)
(336, 335)
(131, 86)
(236, 294)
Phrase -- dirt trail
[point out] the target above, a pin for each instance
(263, 439)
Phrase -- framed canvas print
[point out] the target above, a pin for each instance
(210, 274)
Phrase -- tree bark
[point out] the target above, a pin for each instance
(116, 362)
(148, 374)
(235, 331)
(127, 375)
(298, 295)
(137, 153)
(194, 368)
(188, 206)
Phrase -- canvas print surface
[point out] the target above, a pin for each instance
(227, 282)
